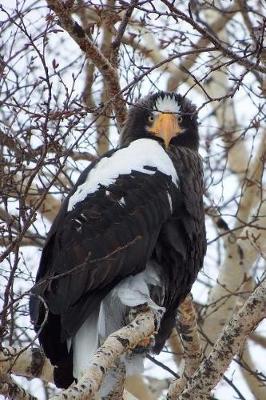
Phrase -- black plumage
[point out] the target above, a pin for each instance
(118, 227)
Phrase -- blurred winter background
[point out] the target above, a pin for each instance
(52, 126)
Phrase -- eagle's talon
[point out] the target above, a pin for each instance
(133, 312)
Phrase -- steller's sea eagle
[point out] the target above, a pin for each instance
(131, 232)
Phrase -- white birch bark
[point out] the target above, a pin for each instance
(30, 362)
(116, 344)
(229, 344)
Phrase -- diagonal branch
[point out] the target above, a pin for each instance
(182, 73)
(143, 326)
(229, 344)
(188, 330)
(90, 50)
(121, 30)
(225, 50)
(29, 362)
(11, 390)
(32, 362)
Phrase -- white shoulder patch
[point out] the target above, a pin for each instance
(167, 104)
(140, 153)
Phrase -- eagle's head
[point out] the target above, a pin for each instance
(164, 116)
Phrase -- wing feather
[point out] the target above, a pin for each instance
(107, 235)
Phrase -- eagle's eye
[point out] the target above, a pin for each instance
(179, 118)
(151, 118)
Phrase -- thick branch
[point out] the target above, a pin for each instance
(115, 345)
(30, 363)
(188, 330)
(228, 345)
(12, 391)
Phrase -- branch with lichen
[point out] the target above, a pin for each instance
(118, 343)
(11, 390)
(32, 362)
(188, 330)
(29, 362)
(192, 351)
(227, 346)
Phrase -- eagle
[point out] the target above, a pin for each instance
(131, 233)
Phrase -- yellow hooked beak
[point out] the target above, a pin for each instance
(166, 127)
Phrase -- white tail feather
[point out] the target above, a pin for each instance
(112, 315)
(85, 344)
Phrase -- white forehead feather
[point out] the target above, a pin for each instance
(167, 104)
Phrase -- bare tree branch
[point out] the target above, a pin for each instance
(86, 45)
(241, 252)
(30, 362)
(248, 370)
(188, 330)
(12, 391)
(211, 38)
(229, 344)
(115, 345)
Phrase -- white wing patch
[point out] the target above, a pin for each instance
(140, 153)
(167, 104)
(85, 344)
